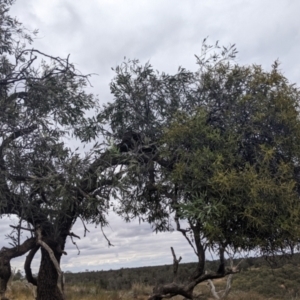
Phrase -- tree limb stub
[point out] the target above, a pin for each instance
(175, 264)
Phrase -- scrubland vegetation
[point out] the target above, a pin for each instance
(258, 279)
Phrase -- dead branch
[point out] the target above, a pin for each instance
(172, 289)
(223, 293)
(175, 264)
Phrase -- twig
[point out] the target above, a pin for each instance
(108, 241)
(20, 227)
(71, 234)
(85, 228)
(74, 235)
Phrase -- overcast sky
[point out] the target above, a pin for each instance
(99, 33)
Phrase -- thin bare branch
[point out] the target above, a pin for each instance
(184, 232)
(108, 241)
(71, 234)
(22, 228)
(84, 226)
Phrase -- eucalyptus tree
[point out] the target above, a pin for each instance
(44, 183)
(217, 149)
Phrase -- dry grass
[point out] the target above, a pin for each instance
(139, 289)
(19, 291)
(239, 295)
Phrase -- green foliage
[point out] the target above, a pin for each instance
(237, 159)
(225, 146)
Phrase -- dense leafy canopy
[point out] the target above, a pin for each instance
(237, 160)
(224, 147)
(217, 149)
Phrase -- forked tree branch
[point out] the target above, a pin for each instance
(175, 264)
(221, 294)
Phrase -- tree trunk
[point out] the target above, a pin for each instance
(47, 288)
(5, 272)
